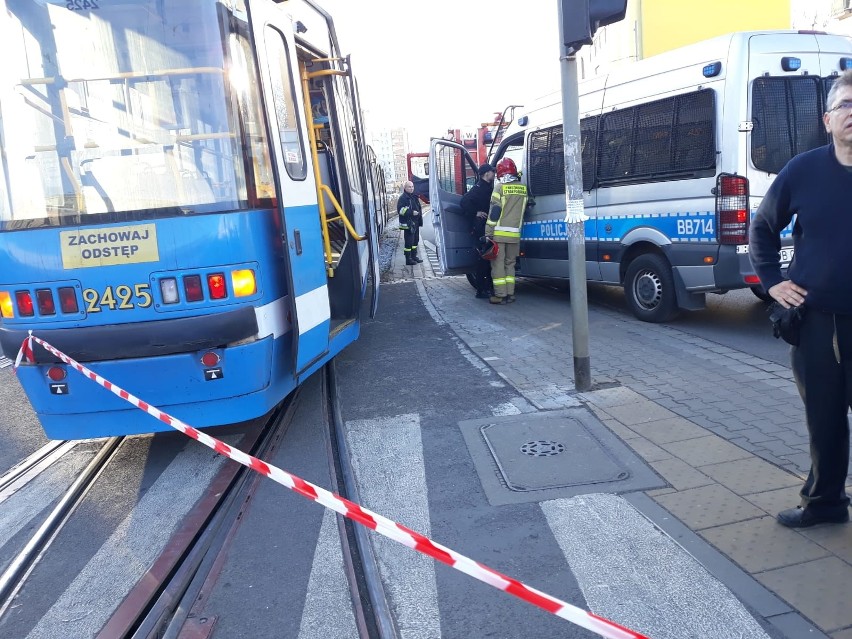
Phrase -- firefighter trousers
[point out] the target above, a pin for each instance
(503, 268)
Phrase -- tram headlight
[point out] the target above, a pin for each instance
(6, 308)
(243, 282)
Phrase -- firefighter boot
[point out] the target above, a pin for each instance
(415, 257)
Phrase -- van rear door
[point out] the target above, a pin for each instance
(785, 106)
(452, 173)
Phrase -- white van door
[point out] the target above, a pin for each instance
(452, 173)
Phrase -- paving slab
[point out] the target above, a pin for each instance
(704, 451)
(761, 544)
(816, 589)
(708, 506)
(750, 475)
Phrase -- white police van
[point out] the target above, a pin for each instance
(678, 151)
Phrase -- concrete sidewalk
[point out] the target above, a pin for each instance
(723, 428)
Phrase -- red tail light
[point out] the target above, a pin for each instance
(44, 298)
(732, 214)
(210, 359)
(216, 284)
(25, 303)
(192, 288)
(68, 300)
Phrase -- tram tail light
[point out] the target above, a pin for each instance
(56, 373)
(210, 359)
(169, 290)
(192, 288)
(68, 300)
(25, 303)
(46, 305)
(243, 282)
(6, 307)
(217, 286)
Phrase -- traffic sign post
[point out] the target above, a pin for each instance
(578, 20)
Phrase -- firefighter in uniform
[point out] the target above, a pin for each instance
(508, 204)
(410, 220)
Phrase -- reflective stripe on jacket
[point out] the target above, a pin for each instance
(508, 204)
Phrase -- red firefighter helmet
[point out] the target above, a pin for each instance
(488, 249)
(506, 166)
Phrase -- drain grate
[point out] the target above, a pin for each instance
(542, 448)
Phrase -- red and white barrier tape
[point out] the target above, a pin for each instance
(397, 532)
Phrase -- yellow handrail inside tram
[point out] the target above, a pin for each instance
(323, 189)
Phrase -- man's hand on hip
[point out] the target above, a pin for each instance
(788, 294)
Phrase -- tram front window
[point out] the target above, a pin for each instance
(110, 110)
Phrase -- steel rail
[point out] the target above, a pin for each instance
(362, 567)
(15, 574)
(170, 607)
(33, 461)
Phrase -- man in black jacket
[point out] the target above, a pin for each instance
(410, 220)
(815, 186)
(475, 205)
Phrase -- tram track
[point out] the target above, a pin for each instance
(372, 612)
(31, 465)
(161, 603)
(171, 610)
(23, 562)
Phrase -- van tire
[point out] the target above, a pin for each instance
(471, 279)
(650, 288)
(761, 294)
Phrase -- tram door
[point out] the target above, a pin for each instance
(301, 227)
(452, 173)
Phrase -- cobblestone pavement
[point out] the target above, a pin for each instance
(724, 428)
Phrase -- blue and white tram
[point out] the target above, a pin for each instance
(186, 205)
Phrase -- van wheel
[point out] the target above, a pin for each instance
(471, 278)
(760, 294)
(649, 285)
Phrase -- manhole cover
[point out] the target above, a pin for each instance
(530, 453)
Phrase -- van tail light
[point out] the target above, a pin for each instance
(68, 300)
(25, 303)
(732, 217)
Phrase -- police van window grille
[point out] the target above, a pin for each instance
(694, 147)
(546, 162)
(616, 149)
(659, 140)
(787, 120)
(589, 144)
(827, 83)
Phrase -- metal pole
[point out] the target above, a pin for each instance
(575, 215)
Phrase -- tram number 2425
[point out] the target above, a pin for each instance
(82, 5)
(123, 298)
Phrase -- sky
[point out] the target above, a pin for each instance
(434, 65)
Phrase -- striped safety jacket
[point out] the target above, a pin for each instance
(508, 204)
(409, 210)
